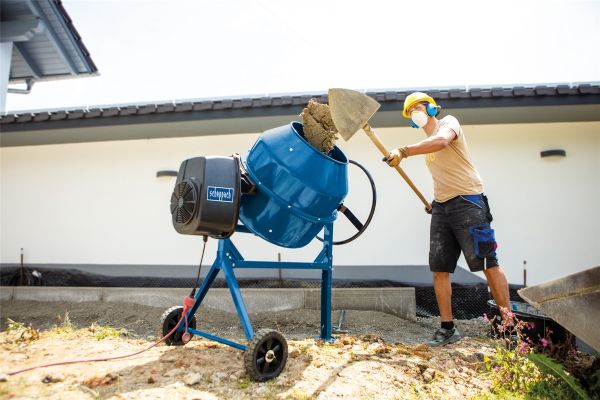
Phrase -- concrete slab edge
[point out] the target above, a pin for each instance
(400, 302)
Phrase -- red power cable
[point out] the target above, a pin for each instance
(188, 302)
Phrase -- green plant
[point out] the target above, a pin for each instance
(101, 332)
(516, 369)
(20, 332)
(551, 367)
(511, 371)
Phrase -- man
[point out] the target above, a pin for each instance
(460, 212)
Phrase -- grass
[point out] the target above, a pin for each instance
(102, 332)
(18, 332)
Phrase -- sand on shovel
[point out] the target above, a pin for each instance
(319, 128)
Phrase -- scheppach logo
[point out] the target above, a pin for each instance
(215, 193)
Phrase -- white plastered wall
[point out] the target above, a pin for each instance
(100, 203)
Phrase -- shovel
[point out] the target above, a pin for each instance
(351, 111)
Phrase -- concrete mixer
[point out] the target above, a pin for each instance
(284, 191)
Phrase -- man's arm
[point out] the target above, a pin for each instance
(434, 143)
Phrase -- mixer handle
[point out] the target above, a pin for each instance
(351, 217)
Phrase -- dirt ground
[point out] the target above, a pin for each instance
(381, 357)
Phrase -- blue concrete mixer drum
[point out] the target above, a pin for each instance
(299, 188)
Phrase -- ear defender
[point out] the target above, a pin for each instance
(432, 110)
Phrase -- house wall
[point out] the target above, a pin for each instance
(101, 203)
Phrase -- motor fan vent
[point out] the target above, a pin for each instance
(184, 202)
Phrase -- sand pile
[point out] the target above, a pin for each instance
(319, 129)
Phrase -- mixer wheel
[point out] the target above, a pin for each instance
(266, 355)
(169, 320)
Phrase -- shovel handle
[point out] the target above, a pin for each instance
(379, 144)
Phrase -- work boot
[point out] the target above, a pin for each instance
(443, 336)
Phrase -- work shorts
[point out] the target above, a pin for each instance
(462, 224)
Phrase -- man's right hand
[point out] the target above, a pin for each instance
(393, 159)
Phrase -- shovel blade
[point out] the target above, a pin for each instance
(350, 110)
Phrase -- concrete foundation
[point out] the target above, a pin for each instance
(396, 301)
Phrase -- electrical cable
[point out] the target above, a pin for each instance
(186, 306)
(188, 302)
(193, 292)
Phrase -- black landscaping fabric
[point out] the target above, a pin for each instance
(469, 300)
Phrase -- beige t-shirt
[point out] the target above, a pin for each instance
(452, 169)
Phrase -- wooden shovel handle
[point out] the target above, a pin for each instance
(379, 144)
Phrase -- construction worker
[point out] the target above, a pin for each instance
(460, 214)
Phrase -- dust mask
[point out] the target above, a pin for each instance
(419, 118)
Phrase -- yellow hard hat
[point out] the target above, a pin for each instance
(414, 98)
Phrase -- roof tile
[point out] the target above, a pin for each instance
(146, 109)
(390, 96)
(203, 105)
(545, 91)
(566, 89)
(129, 110)
(94, 113)
(379, 96)
(24, 117)
(165, 108)
(589, 89)
(8, 119)
(400, 96)
(435, 93)
(443, 94)
(222, 105)
(77, 114)
(459, 94)
(182, 107)
(43, 116)
(110, 112)
(266, 101)
(476, 93)
(501, 92)
(242, 103)
(520, 91)
(59, 115)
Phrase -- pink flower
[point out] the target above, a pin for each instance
(523, 348)
(544, 342)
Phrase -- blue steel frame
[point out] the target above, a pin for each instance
(229, 258)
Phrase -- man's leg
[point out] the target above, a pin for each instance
(499, 285)
(444, 251)
(443, 295)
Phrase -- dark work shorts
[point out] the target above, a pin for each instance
(462, 224)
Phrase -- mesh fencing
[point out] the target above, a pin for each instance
(467, 301)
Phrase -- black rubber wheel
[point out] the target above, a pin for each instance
(169, 320)
(266, 355)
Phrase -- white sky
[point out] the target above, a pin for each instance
(170, 50)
